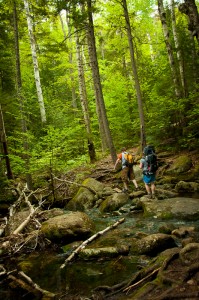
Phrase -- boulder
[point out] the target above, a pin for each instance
(183, 186)
(85, 197)
(182, 164)
(113, 202)
(68, 227)
(179, 208)
(152, 244)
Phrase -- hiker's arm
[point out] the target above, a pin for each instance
(117, 161)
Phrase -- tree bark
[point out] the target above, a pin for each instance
(97, 82)
(5, 148)
(20, 98)
(135, 74)
(35, 62)
(178, 50)
(190, 9)
(84, 101)
(162, 15)
(72, 77)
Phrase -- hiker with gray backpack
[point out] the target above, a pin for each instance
(127, 173)
(149, 166)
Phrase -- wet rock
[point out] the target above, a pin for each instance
(152, 244)
(183, 231)
(68, 227)
(113, 202)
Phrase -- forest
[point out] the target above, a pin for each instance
(80, 79)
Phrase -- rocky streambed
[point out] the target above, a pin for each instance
(151, 254)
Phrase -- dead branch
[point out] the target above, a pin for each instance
(80, 185)
(32, 213)
(141, 281)
(93, 237)
(27, 284)
(36, 286)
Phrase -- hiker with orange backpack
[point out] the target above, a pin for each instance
(127, 173)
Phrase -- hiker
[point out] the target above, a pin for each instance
(148, 164)
(127, 173)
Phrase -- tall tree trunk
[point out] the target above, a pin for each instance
(35, 62)
(74, 100)
(178, 50)
(97, 82)
(190, 9)
(162, 15)
(5, 148)
(84, 101)
(20, 98)
(151, 47)
(135, 74)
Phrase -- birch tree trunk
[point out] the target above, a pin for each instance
(135, 74)
(162, 15)
(35, 62)
(20, 98)
(178, 50)
(4, 142)
(97, 82)
(84, 101)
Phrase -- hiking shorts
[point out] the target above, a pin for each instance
(149, 178)
(127, 174)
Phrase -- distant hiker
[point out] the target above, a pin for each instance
(149, 166)
(127, 173)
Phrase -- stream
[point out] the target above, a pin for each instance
(79, 277)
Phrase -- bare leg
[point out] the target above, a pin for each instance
(148, 189)
(152, 188)
(135, 183)
(125, 186)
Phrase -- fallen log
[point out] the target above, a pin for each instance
(93, 237)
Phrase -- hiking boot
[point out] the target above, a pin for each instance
(152, 196)
(149, 196)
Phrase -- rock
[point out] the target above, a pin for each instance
(86, 199)
(162, 193)
(179, 208)
(68, 227)
(190, 253)
(183, 186)
(152, 244)
(114, 202)
(182, 164)
(183, 231)
(46, 214)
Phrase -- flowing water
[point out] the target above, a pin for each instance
(80, 276)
